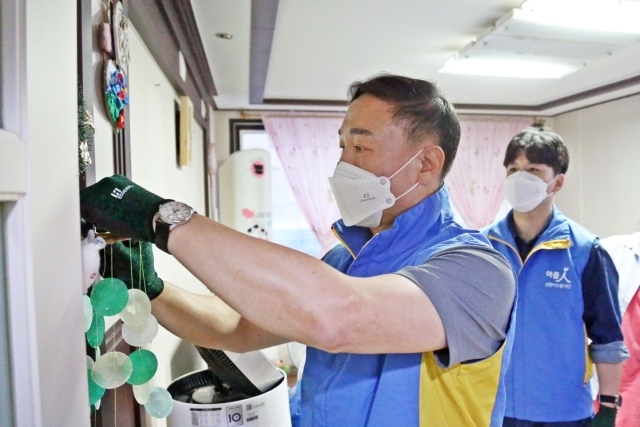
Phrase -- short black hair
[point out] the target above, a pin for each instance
(540, 145)
(420, 109)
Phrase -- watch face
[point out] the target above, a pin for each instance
(175, 212)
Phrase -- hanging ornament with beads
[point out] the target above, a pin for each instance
(110, 297)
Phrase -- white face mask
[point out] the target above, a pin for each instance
(525, 191)
(362, 196)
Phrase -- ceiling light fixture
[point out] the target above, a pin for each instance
(548, 39)
(507, 68)
(612, 16)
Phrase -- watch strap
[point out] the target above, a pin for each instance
(615, 400)
(161, 237)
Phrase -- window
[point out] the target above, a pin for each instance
(290, 228)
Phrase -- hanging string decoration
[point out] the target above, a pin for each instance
(110, 297)
(116, 94)
(86, 132)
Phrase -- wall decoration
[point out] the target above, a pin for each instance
(116, 94)
(86, 131)
(120, 26)
(110, 297)
(105, 40)
(186, 118)
(113, 40)
(91, 246)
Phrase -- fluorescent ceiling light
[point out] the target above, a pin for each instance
(597, 15)
(548, 39)
(507, 68)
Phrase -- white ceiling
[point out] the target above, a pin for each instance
(320, 47)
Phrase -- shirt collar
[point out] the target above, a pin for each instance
(427, 212)
(514, 232)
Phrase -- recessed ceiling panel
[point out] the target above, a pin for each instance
(320, 47)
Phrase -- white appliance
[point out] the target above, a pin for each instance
(200, 399)
(245, 192)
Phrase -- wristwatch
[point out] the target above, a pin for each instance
(615, 400)
(170, 215)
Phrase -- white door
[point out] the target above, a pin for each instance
(19, 399)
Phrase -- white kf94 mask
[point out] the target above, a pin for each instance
(525, 191)
(361, 196)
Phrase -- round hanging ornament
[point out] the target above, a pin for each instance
(116, 94)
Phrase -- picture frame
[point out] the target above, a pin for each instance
(185, 134)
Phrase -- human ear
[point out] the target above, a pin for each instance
(557, 185)
(432, 159)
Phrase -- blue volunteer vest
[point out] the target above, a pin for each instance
(547, 379)
(353, 390)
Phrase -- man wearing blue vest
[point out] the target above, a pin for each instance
(406, 322)
(567, 295)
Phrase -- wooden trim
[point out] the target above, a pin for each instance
(238, 125)
(122, 140)
(496, 107)
(617, 98)
(205, 150)
(310, 102)
(185, 29)
(622, 84)
(263, 24)
(122, 148)
(581, 96)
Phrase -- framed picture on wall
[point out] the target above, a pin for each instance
(185, 135)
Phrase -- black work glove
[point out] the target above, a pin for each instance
(121, 207)
(132, 262)
(606, 417)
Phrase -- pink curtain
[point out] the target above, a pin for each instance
(308, 147)
(476, 180)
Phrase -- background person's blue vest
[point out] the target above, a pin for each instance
(550, 367)
(352, 390)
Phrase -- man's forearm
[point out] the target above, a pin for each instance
(206, 321)
(609, 379)
(275, 287)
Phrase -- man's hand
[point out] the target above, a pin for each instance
(121, 207)
(606, 417)
(133, 264)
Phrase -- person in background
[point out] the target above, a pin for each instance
(406, 322)
(567, 288)
(625, 252)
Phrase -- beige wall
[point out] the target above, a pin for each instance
(603, 184)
